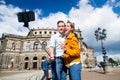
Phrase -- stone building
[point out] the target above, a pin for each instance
(25, 52)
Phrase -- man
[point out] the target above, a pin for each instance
(59, 71)
(45, 66)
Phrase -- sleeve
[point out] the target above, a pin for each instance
(52, 42)
(74, 49)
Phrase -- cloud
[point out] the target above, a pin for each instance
(2, 2)
(89, 19)
(50, 21)
(85, 17)
(8, 20)
(118, 4)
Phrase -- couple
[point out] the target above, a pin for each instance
(64, 52)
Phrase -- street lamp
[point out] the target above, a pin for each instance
(101, 35)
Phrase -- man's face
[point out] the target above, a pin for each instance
(61, 27)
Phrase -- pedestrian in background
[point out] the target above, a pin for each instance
(45, 65)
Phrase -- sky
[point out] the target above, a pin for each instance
(87, 15)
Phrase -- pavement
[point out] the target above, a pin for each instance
(98, 74)
(87, 74)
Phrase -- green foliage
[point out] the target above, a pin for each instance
(113, 62)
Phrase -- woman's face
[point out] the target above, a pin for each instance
(68, 29)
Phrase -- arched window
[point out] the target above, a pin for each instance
(26, 59)
(36, 44)
(44, 44)
(35, 58)
(13, 45)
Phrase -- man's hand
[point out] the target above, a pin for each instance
(51, 58)
(51, 53)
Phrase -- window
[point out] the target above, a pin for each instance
(36, 45)
(26, 59)
(40, 32)
(27, 47)
(54, 32)
(35, 58)
(83, 53)
(13, 46)
(35, 32)
(44, 44)
(50, 32)
(45, 32)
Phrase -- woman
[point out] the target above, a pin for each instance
(72, 52)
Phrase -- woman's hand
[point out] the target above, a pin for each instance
(62, 45)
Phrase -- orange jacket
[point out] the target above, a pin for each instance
(72, 53)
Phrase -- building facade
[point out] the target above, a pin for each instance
(25, 52)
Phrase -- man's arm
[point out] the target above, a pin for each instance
(51, 47)
(51, 53)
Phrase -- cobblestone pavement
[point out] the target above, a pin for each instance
(97, 74)
(94, 74)
(21, 75)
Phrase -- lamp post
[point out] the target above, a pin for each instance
(100, 34)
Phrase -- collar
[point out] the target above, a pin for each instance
(60, 35)
(71, 35)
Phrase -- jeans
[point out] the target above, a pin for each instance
(75, 71)
(59, 70)
(45, 75)
(54, 74)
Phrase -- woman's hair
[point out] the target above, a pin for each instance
(76, 35)
(72, 25)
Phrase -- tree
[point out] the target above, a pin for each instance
(113, 62)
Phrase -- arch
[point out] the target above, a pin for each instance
(26, 63)
(26, 58)
(35, 60)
